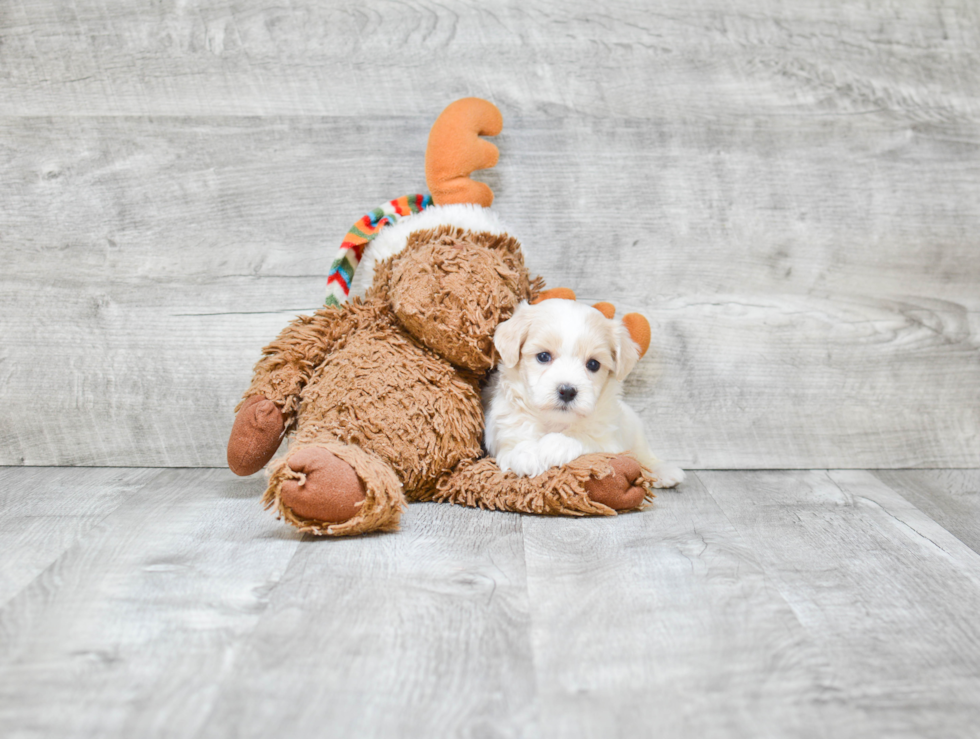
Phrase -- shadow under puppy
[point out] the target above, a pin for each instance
(557, 392)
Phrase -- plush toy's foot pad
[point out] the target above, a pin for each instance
(255, 436)
(619, 490)
(328, 490)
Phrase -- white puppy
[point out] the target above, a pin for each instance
(556, 393)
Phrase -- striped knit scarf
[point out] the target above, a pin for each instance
(361, 234)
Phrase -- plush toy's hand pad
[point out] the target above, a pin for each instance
(619, 490)
(255, 436)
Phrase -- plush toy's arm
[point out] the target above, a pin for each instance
(592, 485)
(268, 407)
(288, 362)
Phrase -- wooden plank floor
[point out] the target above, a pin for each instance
(152, 602)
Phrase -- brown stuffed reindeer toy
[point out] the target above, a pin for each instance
(382, 394)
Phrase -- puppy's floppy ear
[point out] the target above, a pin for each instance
(626, 353)
(511, 335)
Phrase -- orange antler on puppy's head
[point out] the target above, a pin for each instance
(455, 150)
(639, 328)
(636, 324)
(606, 309)
(555, 293)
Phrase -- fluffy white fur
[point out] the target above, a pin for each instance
(392, 239)
(546, 406)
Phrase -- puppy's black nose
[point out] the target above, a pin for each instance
(567, 393)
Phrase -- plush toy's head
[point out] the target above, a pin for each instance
(447, 268)
(450, 288)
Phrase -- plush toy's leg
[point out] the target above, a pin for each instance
(335, 489)
(592, 485)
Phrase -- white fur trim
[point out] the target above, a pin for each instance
(392, 239)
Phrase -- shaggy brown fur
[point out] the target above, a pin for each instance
(577, 489)
(390, 385)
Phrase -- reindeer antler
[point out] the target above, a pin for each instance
(639, 328)
(637, 325)
(555, 293)
(455, 150)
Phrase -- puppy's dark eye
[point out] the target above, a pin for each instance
(593, 365)
(544, 357)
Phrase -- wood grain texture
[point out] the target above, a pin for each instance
(129, 631)
(949, 497)
(623, 59)
(888, 596)
(666, 619)
(44, 514)
(787, 190)
(420, 633)
(742, 605)
(813, 285)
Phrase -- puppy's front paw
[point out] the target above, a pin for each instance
(667, 475)
(557, 449)
(523, 460)
(531, 458)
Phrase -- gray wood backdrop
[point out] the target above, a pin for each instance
(789, 190)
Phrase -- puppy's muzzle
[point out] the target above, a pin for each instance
(567, 393)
